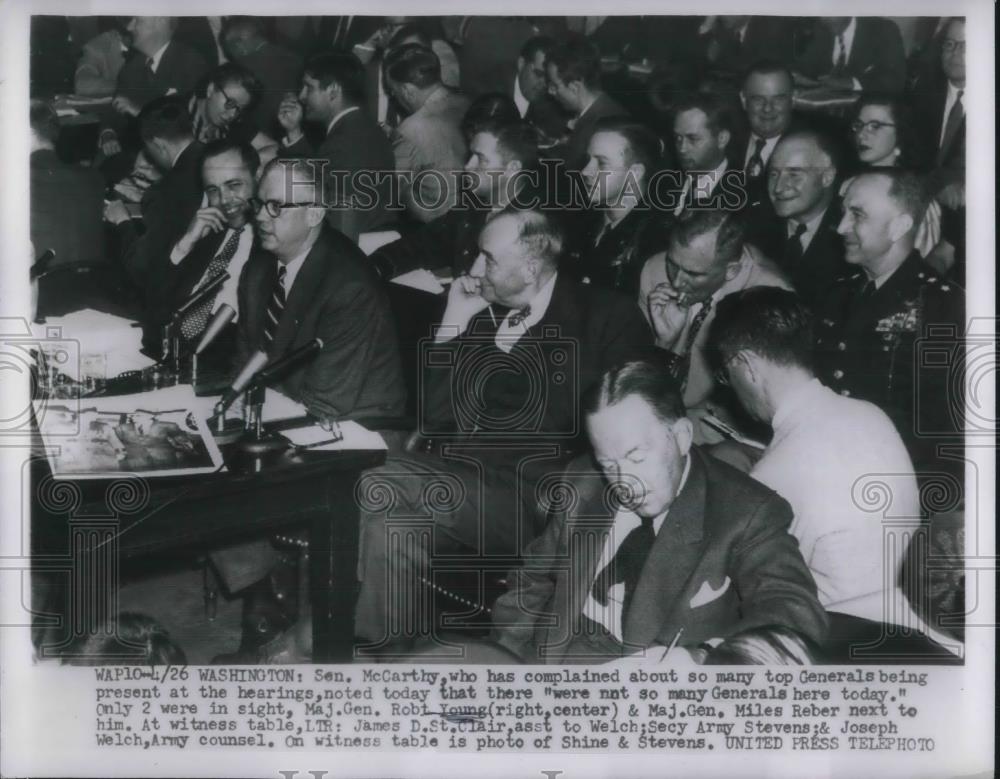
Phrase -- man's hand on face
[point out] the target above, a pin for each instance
(465, 300)
(290, 117)
(206, 220)
(668, 313)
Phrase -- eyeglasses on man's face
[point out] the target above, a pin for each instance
(274, 208)
(869, 127)
(949, 45)
(231, 104)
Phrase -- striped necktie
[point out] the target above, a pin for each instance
(197, 317)
(275, 308)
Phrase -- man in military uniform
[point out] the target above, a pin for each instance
(891, 333)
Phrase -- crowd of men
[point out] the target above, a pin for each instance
(705, 285)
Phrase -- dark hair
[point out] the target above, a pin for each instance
(577, 60)
(771, 645)
(768, 67)
(409, 30)
(252, 26)
(231, 73)
(344, 68)
(728, 226)
(536, 44)
(413, 64)
(716, 110)
(651, 380)
(44, 120)
(136, 639)
(641, 144)
(771, 322)
(248, 154)
(902, 117)
(516, 140)
(166, 118)
(491, 108)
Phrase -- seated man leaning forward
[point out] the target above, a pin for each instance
(518, 344)
(662, 546)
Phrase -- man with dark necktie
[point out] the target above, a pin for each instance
(686, 549)
(802, 180)
(892, 333)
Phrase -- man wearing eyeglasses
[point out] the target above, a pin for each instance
(320, 286)
(222, 111)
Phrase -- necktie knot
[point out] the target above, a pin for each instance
(800, 230)
(759, 145)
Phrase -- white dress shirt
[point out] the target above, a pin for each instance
(610, 614)
(157, 56)
(520, 100)
(765, 153)
(812, 226)
(847, 36)
(948, 103)
(292, 270)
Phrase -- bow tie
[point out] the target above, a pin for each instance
(518, 317)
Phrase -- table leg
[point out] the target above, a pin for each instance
(333, 565)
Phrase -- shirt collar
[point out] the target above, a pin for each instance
(338, 116)
(173, 162)
(157, 56)
(508, 335)
(708, 180)
(811, 227)
(800, 397)
(848, 35)
(520, 100)
(294, 266)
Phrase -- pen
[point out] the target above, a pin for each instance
(672, 644)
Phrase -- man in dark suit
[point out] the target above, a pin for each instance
(501, 159)
(940, 111)
(892, 333)
(735, 43)
(158, 65)
(802, 182)
(620, 231)
(703, 129)
(219, 239)
(168, 205)
(530, 92)
(66, 200)
(278, 70)
(517, 344)
(573, 72)
(356, 153)
(854, 52)
(687, 548)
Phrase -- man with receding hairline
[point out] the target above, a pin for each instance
(876, 322)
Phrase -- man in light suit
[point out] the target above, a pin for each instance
(679, 550)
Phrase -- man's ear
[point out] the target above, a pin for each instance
(743, 100)
(733, 268)
(520, 64)
(828, 176)
(513, 167)
(683, 434)
(900, 226)
(724, 137)
(315, 216)
(209, 90)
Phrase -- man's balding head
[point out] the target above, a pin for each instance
(801, 175)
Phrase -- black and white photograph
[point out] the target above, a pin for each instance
(524, 394)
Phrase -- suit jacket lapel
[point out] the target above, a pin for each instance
(672, 560)
(307, 283)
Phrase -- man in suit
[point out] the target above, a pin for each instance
(802, 183)
(621, 230)
(157, 66)
(278, 70)
(734, 43)
(703, 128)
(168, 205)
(940, 110)
(66, 200)
(573, 73)
(518, 342)
(428, 144)
(319, 287)
(687, 549)
(892, 333)
(219, 239)
(531, 95)
(357, 155)
(501, 160)
(854, 52)
(221, 109)
(705, 260)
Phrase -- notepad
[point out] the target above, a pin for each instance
(421, 279)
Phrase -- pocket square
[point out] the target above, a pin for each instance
(706, 593)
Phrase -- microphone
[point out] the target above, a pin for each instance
(222, 317)
(41, 265)
(207, 289)
(281, 366)
(257, 361)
